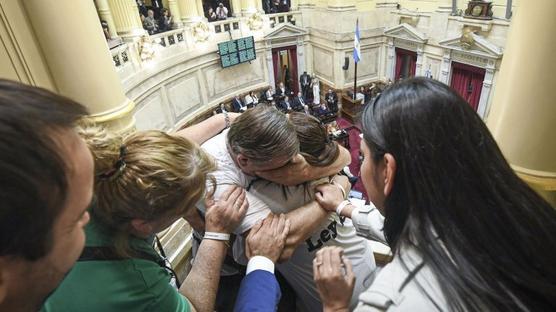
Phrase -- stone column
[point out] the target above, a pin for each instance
(270, 65)
(294, 5)
(260, 6)
(200, 9)
(248, 7)
(126, 18)
(104, 13)
(446, 67)
(174, 9)
(523, 114)
(189, 11)
(79, 61)
(391, 59)
(487, 89)
(419, 62)
(235, 7)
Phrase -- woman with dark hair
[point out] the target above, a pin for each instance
(466, 232)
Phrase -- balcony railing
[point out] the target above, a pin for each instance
(293, 18)
(170, 38)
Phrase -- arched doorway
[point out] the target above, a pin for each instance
(467, 80)
(406, 63)
(284, 61)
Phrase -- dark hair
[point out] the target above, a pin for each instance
(263, 133)
(33, 172)
(314, 143)
(487, 236)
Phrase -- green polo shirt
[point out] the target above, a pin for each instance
(120, 285)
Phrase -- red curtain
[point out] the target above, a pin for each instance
(412, 65)
(468, 82)
(275, 63)
(399, 63)
(293, 69)
(402, 56)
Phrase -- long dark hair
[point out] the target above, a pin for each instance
(488, 237)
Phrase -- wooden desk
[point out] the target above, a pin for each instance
(351, 109)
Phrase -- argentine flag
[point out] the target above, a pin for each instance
(357, 44)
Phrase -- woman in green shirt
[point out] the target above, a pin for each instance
(144, 183)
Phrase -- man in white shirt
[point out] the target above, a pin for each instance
(261, 140)
(221, 12)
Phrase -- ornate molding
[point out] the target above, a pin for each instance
(406, 32)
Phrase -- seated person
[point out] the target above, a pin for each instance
(139, 193)
(269, 95)
(165, 22)
(285, 106)
(238, 105)
(360, 96)
(150, 24)
(322, 110)
(282, 91)
(221, 12)
(332, 101)
(299, 104)
(211, 15)
(251, 99)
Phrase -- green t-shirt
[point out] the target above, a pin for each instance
(120, 285)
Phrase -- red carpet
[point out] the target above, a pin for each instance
(354, 143)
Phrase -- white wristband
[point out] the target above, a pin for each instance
(217, 236)
(341, 207)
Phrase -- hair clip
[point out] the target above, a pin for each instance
(117, 168)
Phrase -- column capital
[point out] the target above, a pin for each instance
(98, 86)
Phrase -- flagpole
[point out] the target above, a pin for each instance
(355, 82)
(356, 57)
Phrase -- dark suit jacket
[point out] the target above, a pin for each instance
(332, 101)
(283, 107)
(297, 105)
(259, 291)
(279, 92)
(304, 83)
(237, 104)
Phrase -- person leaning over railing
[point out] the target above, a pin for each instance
(144, 183)
(466, 232)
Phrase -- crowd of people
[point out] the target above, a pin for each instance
(81, 207)
(220, 14)
(276, 6)
(285, 100)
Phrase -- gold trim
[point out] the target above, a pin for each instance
(541, 179)
(114, 114)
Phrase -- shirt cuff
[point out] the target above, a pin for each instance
(260, 263)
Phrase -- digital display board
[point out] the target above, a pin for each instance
(237, 51)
